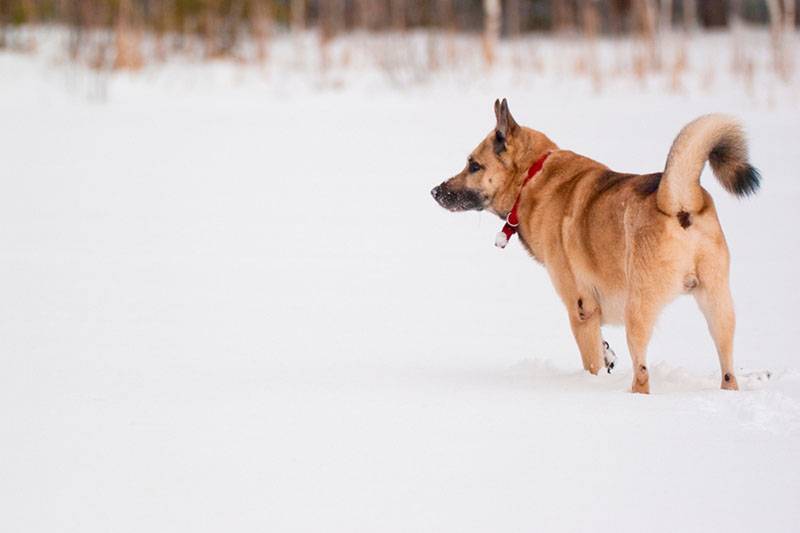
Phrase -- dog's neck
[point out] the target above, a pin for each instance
(533, 145)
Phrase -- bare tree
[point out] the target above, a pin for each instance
(790, 15)
(665, 17)
(331, 21)
(298, 15)
(645, 14)
(590, 18)
(790, 18)
(261, 28)
(127, 39)
(563, 16)
(780, 25)
(398, 14)
(513, 17)
(735, 22)
(689, 15)
(492, 15)
(297, 24)
(3, 23)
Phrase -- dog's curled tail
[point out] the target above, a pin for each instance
(718, 139)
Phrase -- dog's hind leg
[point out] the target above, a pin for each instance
(584, 313)
(638, 329)
(642, 307)
(715, 301)
(590, 342)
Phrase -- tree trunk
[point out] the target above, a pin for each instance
(689, 15)
(127, 40)
(563, 16)
(646, 10)
(735, 21)
(776, 29)
(492, 15)
(298, 13)
(514, 24)
(665, 17)
(790, 14)
(3, 28)
(261, 29)
(590, 20)
(398, 14)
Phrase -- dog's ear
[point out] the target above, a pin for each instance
(506, 125)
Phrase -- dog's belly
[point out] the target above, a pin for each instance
(609, 295)
(612, 309)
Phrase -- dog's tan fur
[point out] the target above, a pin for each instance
(618, 247)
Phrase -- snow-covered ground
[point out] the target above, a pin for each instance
(230, 304)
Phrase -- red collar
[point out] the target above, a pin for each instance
(512, 220)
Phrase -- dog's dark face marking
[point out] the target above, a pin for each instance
(488, 169)
(458, 199)
(474, 187)
(464, 191)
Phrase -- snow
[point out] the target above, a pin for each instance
(229, 305)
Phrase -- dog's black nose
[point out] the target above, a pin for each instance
(435, 191)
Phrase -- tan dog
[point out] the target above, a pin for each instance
(618, 247)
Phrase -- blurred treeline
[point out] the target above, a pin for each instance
(224, 25)
(203, 16)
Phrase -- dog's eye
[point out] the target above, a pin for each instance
(474, 167)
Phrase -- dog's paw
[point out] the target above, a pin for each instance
(609, 357)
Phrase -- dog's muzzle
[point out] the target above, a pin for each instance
(457, 200)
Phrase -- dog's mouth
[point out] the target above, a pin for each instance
(458, 200)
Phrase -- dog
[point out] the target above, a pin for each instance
(618, 247)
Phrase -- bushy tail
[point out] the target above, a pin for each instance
(718, 139)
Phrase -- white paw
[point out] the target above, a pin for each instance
(609, 357)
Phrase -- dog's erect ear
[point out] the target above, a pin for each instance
(506, 125)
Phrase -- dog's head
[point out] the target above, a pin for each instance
(492, 167)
